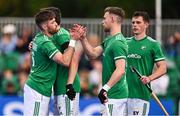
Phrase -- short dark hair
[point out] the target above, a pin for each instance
(43, 16)
(57, 12)
(117, 11)
(143, 14)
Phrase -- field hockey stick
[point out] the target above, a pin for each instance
(107, 109)
(151, 91)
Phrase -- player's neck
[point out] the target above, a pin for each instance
(115, 30)
(140, 36)
(47, 33)
(58, 27)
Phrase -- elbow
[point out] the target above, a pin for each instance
(165, 69)
(122, 72)
(66, 63)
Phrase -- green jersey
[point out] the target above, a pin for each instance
(142, 54)
(43, 70)
(61, 40)
(114, 48)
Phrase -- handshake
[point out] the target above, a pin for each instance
(78, 32)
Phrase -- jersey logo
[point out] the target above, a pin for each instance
(143, 47)
(135, 56)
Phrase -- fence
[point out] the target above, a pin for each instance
(169, 26)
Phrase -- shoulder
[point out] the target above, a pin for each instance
(129, 39)
(62, 35)
(119, 39)
(41, 38)
(119, 44)
(63, 31)
(152, 41)
(41, 41)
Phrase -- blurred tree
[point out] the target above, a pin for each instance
(170, 9)
(95, 8)
(87, 8)
(19, 8)
(35, 5)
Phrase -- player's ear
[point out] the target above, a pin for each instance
(112, 19)
(146, 24)
(44, 26)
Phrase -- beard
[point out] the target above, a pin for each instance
(53, 31)
(106, 29)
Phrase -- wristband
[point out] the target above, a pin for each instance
(72, 43)
(106, 87)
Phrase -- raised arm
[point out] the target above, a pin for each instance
(66, 58)
(91, 52)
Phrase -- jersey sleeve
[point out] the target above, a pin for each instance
(119, 50)
(49, 49)
(65, 46)
(158, 53)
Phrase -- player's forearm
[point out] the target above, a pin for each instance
(67, 56)
(73, 69)
(161, 70)
(89, 50)
(58, 58)
(115, 77)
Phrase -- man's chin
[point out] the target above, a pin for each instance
(136, 33)
(106, 30)
(54, 32)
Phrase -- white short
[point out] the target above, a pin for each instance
(115, 107)
(63, 106)
(138, 107)
(35, 104)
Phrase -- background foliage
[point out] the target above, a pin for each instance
(86, 8)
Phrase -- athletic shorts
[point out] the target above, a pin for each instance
(137, 107)
(63, 106)
(115, 107)
(35, 104)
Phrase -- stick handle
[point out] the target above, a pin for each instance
(160, 104)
